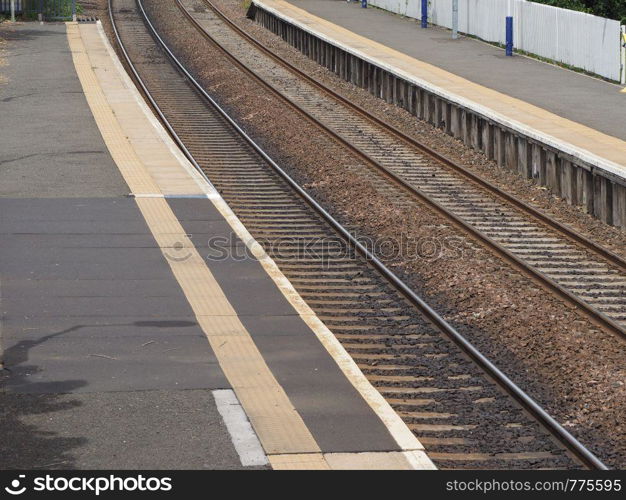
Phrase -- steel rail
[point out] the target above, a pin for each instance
(530, 210)
(596, 316)
(548, 422)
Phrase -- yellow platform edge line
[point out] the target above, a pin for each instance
(403, 436)
(300, 461)
(161, 165)
(129, 165)
(202, 185)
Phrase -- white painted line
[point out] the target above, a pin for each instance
(419, 460)
(241, 433)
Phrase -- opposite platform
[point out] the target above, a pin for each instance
(567, 142)
(592, 102)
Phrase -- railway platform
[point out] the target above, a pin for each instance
(564, 129)
(126, 341)
(589, 101)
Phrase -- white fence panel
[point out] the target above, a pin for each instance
(407, 8)
(581, 40)
(5, 6)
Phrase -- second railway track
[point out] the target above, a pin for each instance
(575, 268)
(464, 410)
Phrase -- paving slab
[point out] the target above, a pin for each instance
(54, 364)
(50, 145)
(143, 430)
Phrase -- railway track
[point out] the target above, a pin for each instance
(583, 273)
(465, 411)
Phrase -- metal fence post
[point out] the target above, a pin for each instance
(12, 11)
(509, 28)
(74, 10)
(455, 19)
(509, 35)
(424, 13)
(623, 45)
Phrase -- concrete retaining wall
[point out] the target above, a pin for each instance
(600, 191)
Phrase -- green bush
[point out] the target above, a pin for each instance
(56, 8)
(613, 9)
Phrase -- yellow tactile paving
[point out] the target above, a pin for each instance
(394, 460)
(312, 461)
(518, 112)
(163, 168)
(368, 461)
(280, 428)
(131, 168)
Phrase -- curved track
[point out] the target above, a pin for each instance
(465, 411)
(578, 270)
